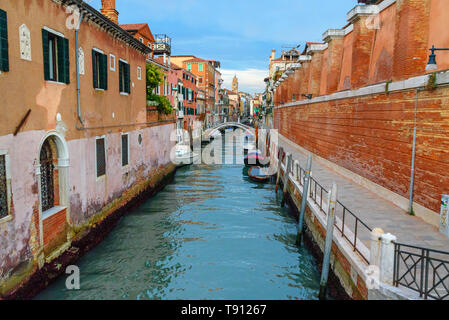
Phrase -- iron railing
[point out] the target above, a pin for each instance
(423, 270)
(319, 195)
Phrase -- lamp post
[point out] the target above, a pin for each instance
(432, 65)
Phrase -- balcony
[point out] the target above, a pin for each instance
(162, 45)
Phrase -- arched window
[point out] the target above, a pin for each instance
(47, 176)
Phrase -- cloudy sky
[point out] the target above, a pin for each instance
(238, 33)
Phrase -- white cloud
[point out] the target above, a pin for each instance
(250, 80)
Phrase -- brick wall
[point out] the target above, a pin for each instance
(55, 230)
(372, 136)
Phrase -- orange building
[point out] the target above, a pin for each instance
(75, 143)
(142, 32)
(204, 70)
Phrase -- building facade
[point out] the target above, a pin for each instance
(363, 97)
(75, 144)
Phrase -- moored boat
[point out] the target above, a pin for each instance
(256, 159)
(259, 174)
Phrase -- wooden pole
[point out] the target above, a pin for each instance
(278, 177)
(329, 239)
(305, 194)
(286, 178)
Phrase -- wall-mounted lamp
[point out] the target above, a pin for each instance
(308, 96)
(432, 65)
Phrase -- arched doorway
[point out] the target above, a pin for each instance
(52, 179)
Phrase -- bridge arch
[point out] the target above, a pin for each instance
(225, 125)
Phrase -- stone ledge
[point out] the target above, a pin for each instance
(332, 34)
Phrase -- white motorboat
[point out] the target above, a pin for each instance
(185, 157)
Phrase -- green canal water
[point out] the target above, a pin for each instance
(210, 234)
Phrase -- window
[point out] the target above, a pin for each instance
(189, 67)
(112, 62)
(184, 76)
(141, 40)
(4, 59)
(99, 70)
(200, 67)
(47, 176)
(125, 150)
(56, 57)
(100, 157)
(200, 79)
(4, 208)
(124, 77)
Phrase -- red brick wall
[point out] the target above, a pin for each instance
(54, 230)
(372, 136)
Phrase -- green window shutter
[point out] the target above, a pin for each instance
(63, 60)
(61, 65)
(94, 68)
(127, 78)
(46, 50)
(4, 59)
(103, 72)
(120, 74)
(66, 61)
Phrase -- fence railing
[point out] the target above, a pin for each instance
(346, 218)
(423, 270)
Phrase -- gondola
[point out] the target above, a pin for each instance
(259, 174)
(256, 159)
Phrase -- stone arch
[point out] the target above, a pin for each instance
(52, 170)
(230, 125)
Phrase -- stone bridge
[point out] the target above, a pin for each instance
(211, 131)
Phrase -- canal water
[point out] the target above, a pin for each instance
(210, 234)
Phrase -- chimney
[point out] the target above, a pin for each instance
(165, 58)
(168, 61)
(108, 9)
(273, 54)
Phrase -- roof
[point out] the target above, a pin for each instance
(89, 13)
(196, 60)
(142, 28)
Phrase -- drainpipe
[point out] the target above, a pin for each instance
(78, 90)
(412, 173)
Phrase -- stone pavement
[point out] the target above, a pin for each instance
(375, 211)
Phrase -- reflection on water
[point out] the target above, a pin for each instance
(211, 234)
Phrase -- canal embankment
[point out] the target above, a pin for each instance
(357, 246)
(86, 237)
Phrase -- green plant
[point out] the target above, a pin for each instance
(154, 78)
(387, 86)
(432, 83)
(162, 103)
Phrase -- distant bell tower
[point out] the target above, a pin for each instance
(235, 84)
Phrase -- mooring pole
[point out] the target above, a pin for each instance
(305, 194)
(329, 238)
(279, 171)
(286, 178)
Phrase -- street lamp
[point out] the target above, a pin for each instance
(432, 65)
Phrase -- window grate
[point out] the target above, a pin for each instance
(47, 177)
(3, 188)
(101, 157)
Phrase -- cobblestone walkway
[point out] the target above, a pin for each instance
(375, 211)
